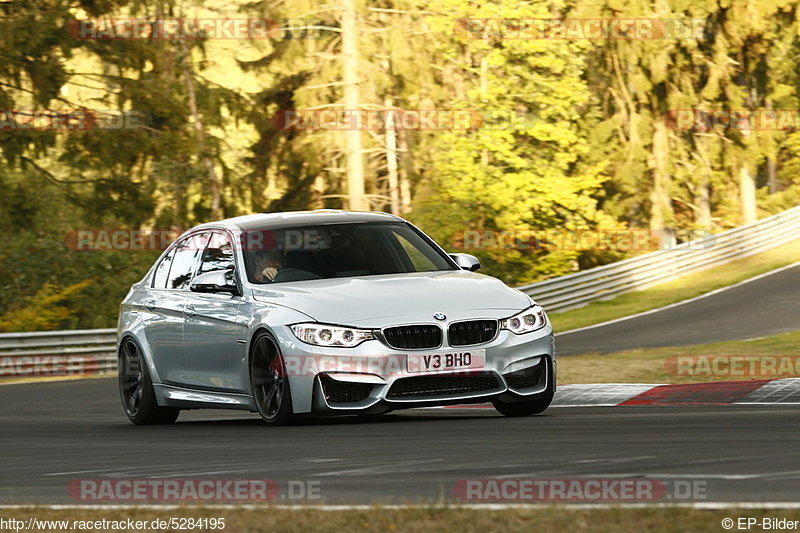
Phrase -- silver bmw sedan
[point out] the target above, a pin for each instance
(326, 313)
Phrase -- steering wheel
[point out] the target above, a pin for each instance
(294, 274)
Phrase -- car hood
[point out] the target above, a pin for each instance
(377, 301)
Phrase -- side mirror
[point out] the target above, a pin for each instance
(466, 262)
(216, 281)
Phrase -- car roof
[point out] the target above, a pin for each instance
(262, 221)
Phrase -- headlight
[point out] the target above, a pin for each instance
(528, 320)
(325, 335)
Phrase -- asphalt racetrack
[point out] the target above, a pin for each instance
(59, 432)
(55, 433)
(760, 308)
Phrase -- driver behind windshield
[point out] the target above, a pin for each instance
(267, 266)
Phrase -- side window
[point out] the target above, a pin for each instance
(218, 254)
(162, 270)
(186, 253)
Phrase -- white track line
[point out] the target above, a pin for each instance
(682, 302)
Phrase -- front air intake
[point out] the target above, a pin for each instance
(434, 387)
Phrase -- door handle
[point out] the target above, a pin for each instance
(150, 304)
(189, 311)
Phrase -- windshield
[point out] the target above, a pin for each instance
(337, 251)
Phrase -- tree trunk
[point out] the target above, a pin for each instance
(484, 87)
(772, 175)
(406, 170)
(747, 185)
(353, 142)
(317, 191)
(391, 159)
(661, 205)
(772, 167)
(215, 187)
(702, 196)
(702, 199)
(747, 193)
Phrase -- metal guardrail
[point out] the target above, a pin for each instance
(607, 281)
(58, 353)
(93, 351)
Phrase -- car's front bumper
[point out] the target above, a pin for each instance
(373, 378)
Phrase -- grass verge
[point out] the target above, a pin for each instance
(431, 520)
(657, 365)
(677, 290)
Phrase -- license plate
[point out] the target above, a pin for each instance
(446, 362)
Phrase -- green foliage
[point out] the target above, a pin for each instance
(44, 311)
(574, 135)
(528, 167)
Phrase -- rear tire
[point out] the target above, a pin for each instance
(269, 382)
(136, 389)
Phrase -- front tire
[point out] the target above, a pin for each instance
(530, 407)
(524, 408)
(136, 389)
(269, 382)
